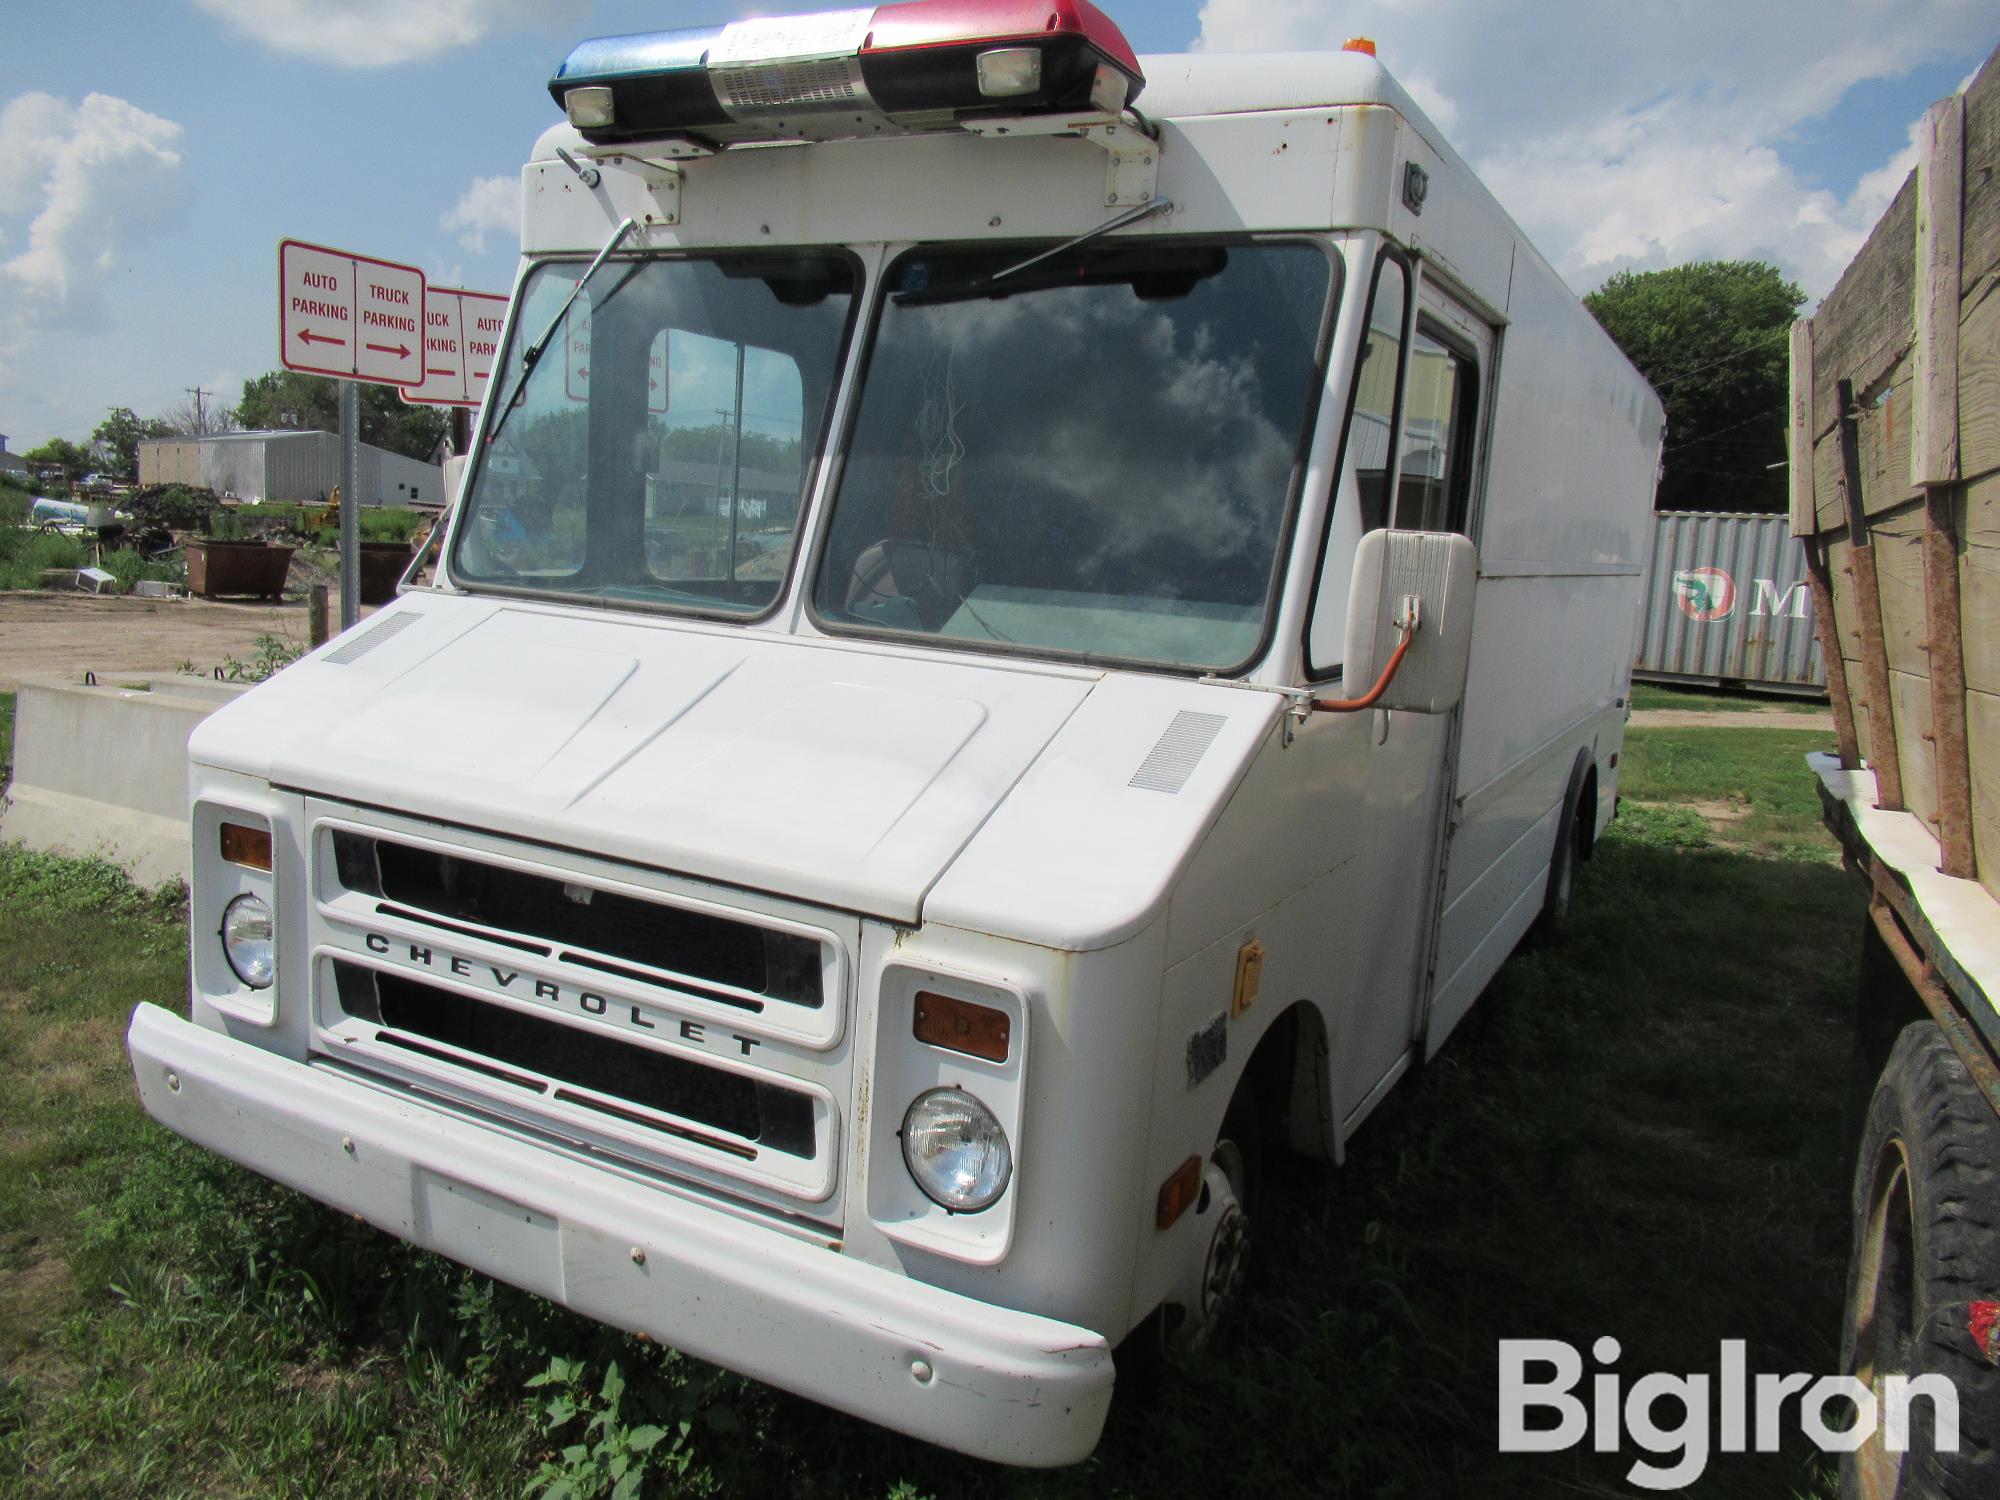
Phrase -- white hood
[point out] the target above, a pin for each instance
(843, 777)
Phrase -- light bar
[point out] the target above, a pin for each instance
(926, 65)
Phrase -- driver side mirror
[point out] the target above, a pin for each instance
(1436, 570)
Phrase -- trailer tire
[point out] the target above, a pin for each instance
(1924, 1276)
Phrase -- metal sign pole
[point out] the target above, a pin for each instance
(350, 503)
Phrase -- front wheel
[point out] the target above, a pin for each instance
(1923, 1293)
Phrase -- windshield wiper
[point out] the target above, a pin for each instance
(987, 286)
(533, 352)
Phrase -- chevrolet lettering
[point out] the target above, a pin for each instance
(584, 1002)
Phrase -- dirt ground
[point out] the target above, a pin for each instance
(65, 635)
(1755, 718)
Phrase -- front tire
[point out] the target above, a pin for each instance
(1924, 1277)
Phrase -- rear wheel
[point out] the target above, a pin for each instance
(1572, 846)
(1924, 1282)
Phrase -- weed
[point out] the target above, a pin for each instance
(611, 1455)
(271, 655)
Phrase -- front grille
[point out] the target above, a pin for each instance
(554, 918)
(541, 1056)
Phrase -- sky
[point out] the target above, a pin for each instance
(154, 154)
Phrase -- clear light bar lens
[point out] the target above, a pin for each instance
(1007, 71)
(589, 108)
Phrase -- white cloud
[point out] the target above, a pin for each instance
(1630, 136)
(380, 33)
(94, 175)
(491, 203)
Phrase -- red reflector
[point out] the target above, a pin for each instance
(1178, 1192)
(961, 1026)
(249, 847)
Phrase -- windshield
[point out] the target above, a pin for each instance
(659, 448)
(1093, 455)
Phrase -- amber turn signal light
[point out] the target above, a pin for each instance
(249, 847)
(1178, 1192)
(960, 1026)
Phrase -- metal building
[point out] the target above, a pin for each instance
(1727, 604)
(287, 465)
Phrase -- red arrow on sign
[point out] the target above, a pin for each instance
(306, 336)
(401, 351)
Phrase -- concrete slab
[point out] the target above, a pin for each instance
(103, 769)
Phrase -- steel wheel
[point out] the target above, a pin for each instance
(1223, 1209)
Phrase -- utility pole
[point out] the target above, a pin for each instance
(200, 416)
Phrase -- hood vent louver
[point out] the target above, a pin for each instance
(369, 639)
(1172, 760)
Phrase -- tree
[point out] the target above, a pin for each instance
(114, 444)
(1713, 338)
(287, 399)
(59, 453)
(199, 417)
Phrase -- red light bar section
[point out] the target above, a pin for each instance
(949, 23)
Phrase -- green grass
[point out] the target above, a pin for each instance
(1636, 1132)
(6, 739)
(1647, 695)
(1750, 784)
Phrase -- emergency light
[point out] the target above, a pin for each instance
(842, 74)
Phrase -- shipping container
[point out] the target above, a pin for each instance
(1727, 603)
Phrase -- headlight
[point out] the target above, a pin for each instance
(247, 944)
(956, 1150)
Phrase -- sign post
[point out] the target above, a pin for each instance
(357, 319)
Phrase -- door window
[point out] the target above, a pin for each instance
(1365, 490)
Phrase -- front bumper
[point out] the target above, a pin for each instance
(988, 1381)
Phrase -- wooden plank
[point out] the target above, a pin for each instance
(1982, 732)
(1885, 750)
(1827, 629)
(1934, 360)
(1832, 505)
(1947, 672)
(1899, 572)
(1981, 217)
(1864, 324)
(1979, 582)
(1883, 430)
(1979, 383)
(1805, 515)
(1916, 765)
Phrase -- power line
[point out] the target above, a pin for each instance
(1755, 348)
(1709, 437)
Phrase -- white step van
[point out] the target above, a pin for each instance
(959, 713)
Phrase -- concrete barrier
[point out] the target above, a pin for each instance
(103, 769)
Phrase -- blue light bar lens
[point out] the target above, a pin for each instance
(658, 81)
(605, 58)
